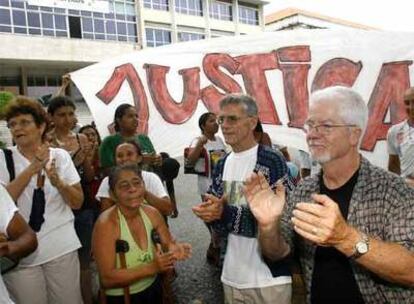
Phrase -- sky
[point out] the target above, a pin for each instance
(395, 15)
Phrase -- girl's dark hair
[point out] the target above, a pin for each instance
(117, 170)
(202, 120)
(119, 113)
(132, 143)
(258, 127)
(58, 102)
(93, 128)
(21, 105)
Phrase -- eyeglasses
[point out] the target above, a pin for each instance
(22, 123)
(231, 119)
(324, 128)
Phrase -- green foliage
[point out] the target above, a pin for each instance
(5, 98)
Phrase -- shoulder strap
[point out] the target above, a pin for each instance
(9, 163)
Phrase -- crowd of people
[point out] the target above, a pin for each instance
(70, 199)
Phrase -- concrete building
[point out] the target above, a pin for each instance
(41, 40)
(44, 39)
(294, 18)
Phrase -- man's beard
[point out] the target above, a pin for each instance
(322, 159)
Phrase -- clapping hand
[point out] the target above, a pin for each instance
(211, 209)
(52, 174)
(181, 251)
(41, 158)
(266, 205)
(164, 261)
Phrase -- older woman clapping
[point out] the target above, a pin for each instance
(45, 186)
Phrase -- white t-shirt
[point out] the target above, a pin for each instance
(57, 235)
(216, 149)
(7, 211)
(151, 180)
(243, 264)
(400, 141)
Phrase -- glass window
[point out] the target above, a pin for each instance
(221, 11)
(156, 4)
(121, 27)
(248, 15)
(32, 7)
(60, 22)
(132, 30)
(16, 3)
(191, 7)
(130, 9)
(157, 37)
(59, 10)
(46, 9)
(5, 16)
(4, 2)
(61, 34)
(87, 25)
(122, 38)
(98, 15)
(110, 27)
(47, 20)
(34, 31)
(110, 37)
(86, 13)
(74, 12)
(19, 17)
(48, 33)
(184, 36)
(20, 30)
(100, 36)
(99, 26)
(87, 36)
(33, 19)
(119, 8)
(5, 29)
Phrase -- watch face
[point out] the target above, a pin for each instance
(362, 247)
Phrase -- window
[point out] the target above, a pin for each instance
(185, 36)
(157, 37)
(156, 4)
(75, 27)
(189, 7)
(119, 24)
(221, 11)
(248, 15)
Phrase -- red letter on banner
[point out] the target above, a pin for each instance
(170, 110)
(113, 85)
(393, 81)
(252, 68)
(211, 66)
(294, 64)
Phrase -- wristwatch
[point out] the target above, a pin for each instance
(361, 247)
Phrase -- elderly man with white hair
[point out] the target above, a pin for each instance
(352, 224)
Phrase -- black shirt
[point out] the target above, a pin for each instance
(333, 280)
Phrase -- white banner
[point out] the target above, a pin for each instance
(172, 86)
(101, 6)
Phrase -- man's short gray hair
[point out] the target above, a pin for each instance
(246, 101)
(351, 106)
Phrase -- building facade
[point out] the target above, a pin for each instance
(44, 39)
(41, 40)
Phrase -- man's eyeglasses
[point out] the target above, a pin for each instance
(231, 119)
(324, 128)
(22, 123)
